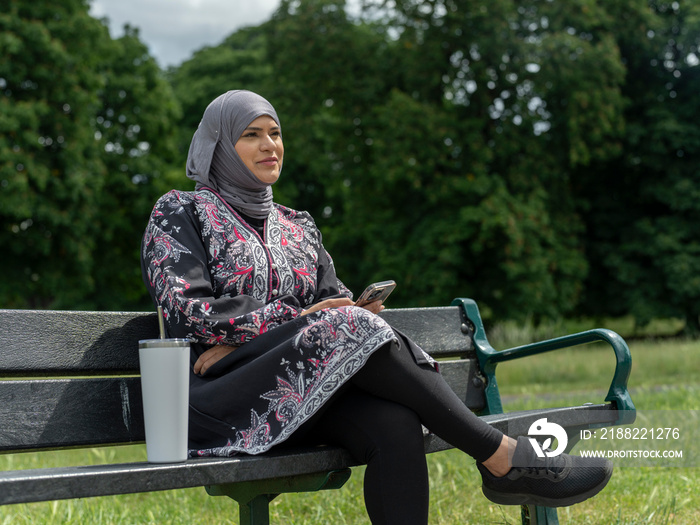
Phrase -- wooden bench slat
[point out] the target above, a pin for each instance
(61, 413)
(441, 331)
(107, 342)
(464, 378)
(89, 342)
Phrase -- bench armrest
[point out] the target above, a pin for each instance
(488, 358)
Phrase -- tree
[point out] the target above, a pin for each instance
(643, 205)
(135, 127)
(50, 166)
(84, 129)
(514, 110)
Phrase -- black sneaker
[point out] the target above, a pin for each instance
(549, 482)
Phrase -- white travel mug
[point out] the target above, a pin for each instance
(165, 380)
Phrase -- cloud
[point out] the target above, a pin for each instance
(174, 29)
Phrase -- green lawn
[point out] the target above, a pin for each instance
(666, 376)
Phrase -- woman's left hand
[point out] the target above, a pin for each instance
(374, 307)
(211, 356)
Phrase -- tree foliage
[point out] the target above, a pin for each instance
(51, 169)
(135, 128)
(642, 205)
(78, 115)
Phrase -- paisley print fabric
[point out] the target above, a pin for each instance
(222, 281)
(326, 353)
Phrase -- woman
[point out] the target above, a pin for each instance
(281, 355)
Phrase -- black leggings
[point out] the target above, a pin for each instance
(378, 417)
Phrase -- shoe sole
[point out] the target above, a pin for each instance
(507, 498)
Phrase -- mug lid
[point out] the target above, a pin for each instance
(163, 343)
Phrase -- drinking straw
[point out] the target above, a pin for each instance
(161, 326)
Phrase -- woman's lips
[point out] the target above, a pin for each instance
(270, 161)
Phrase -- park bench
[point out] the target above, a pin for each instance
(70, 380)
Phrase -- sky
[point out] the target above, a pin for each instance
(174, 29)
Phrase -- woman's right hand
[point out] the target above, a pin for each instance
(211, 356)
(328, 303)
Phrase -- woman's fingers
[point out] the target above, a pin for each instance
(374, 307)
(328, 303)
(210, 357)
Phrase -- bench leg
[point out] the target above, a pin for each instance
(535, 515)
(254, 497)
(256, 511)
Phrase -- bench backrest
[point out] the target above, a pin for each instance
(71, 379)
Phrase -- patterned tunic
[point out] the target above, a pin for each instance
(221, 281)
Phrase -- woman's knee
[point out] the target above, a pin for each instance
(368, 425)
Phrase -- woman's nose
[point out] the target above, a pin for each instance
(268, 143)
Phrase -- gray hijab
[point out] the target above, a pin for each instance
(213, 161)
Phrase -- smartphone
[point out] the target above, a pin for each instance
(376, 292)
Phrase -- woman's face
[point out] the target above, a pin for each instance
(261, 150)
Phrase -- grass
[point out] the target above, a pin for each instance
(665, 376)
(508, 334)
